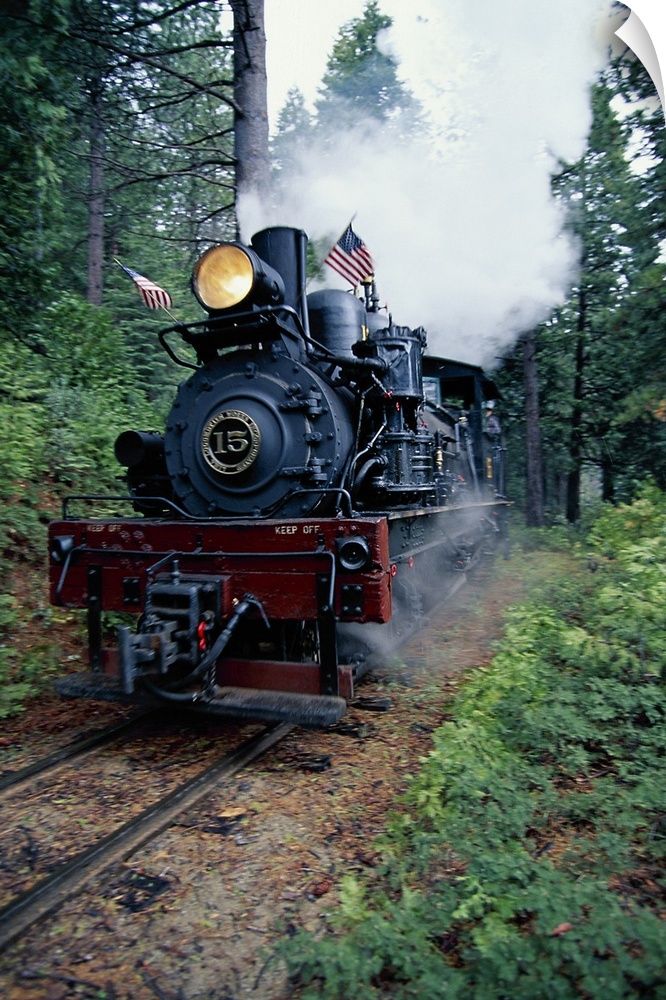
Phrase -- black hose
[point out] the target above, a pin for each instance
(249, 601)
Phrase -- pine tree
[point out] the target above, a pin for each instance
(602, 383)
(361, 82)
(608, 216)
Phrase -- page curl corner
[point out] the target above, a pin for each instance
(644, 33)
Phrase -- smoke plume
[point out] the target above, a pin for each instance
(466, 237)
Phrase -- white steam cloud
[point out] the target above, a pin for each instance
(466, 237)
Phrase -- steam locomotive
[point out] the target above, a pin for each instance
(319, 480)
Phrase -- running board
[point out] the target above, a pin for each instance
(229, 702)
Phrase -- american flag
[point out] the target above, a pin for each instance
(154, 296)
(351, 258)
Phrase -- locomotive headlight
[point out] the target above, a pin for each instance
(230, 275)
(353, 553)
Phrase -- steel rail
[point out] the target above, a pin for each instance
(71, 750)
(63, 883)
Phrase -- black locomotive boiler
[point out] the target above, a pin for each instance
(318, 472)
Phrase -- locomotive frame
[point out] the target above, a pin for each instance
(313, 473)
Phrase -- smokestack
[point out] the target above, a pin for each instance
(284, 249)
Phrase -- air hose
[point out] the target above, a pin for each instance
(206, 668)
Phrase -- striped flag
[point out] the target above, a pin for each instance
(153, 296)
(351, 258)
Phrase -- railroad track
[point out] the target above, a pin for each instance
(68, 878)
(71, 751)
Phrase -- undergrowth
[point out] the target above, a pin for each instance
(527, 859)
(30, 654)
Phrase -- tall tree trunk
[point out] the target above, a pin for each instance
(575, 440)
(96, 203)
(534, 507)
(250, 96)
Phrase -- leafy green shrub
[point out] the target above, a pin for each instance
(528, 858)
(92, 396)
(642, 521)
(558, 537)
(21, 677)
(66, 391)
(23, 672)
(64, 398)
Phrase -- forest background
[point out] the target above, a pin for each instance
(122, 137)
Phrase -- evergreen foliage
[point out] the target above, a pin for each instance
(361, 81)
(601, 354)
(118, 141)
(528, 861)
(60, 412)
(295, 127)
(33, 131)
(61, 409)
(360, 88)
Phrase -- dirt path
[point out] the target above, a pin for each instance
(197, 913)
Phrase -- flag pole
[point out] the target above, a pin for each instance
(351, 258)
(157, 303)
